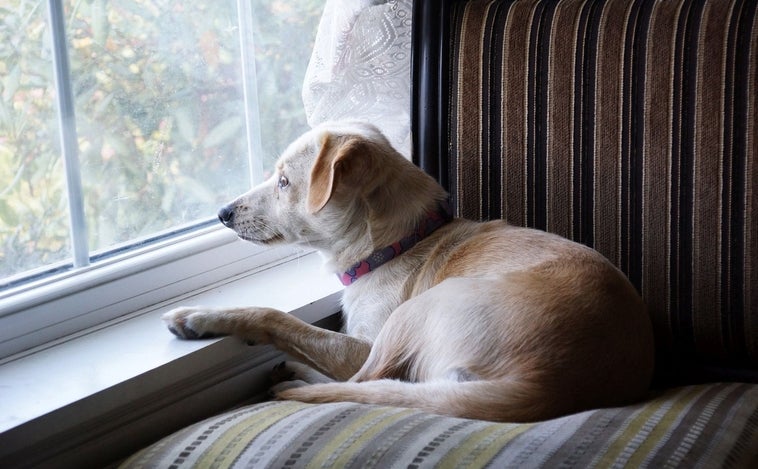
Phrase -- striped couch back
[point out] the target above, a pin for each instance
(626, 125)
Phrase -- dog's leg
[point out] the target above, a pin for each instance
(502, 400)
(292, 374)
(296, 371)
(336, 355)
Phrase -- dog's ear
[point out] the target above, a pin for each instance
(335, 164)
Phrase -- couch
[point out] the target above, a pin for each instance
(626, 125)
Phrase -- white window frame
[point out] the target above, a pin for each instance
(37, 314)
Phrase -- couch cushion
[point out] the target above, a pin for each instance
(713, 425)
(627, 126)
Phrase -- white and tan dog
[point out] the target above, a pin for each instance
(478, 320)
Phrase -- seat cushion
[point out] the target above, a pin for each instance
(714, 425)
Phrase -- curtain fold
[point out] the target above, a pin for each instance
(360, 67)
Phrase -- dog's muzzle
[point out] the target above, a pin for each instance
(226, 216)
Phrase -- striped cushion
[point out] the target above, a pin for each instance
(712, 425)
(629, 126)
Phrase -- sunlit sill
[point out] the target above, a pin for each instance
(137, 356)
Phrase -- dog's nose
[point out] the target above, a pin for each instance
(226, 215)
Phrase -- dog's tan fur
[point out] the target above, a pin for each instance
(478, 320)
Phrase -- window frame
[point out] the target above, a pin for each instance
(35, 315)
(127, 385)
(92, 290)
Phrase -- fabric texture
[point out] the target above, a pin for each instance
(360, 67)
(629, 126)
(707, 425)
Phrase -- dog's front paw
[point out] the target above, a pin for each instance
(191, 322)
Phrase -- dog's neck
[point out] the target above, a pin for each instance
(433, 220)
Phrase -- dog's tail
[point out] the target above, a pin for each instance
(498, 400)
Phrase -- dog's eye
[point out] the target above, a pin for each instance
(283, 182)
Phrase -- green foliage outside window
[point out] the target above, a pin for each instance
(160, 115)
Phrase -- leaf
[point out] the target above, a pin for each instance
(120, 147)
(167, 201)
(103, 106)
(7, 214)
(193, 189)
(222, 132)
(10, 83)
(100, 24)
(185, 123)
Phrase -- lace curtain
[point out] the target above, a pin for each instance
(360, 67)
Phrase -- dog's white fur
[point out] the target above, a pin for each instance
(479, 320)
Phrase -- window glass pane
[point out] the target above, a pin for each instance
(33, 210)
(285, 32)
(160, 115)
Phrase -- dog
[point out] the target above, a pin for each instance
(479, 320)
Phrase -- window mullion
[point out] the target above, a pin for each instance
(68, 135)
(250, 90)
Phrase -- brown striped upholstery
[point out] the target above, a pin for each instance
(629, 126)
(711, 425)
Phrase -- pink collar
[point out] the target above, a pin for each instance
(433, 220)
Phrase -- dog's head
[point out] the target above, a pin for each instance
(337, 185)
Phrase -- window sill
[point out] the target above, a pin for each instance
(117, 388)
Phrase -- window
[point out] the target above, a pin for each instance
(123, 127)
